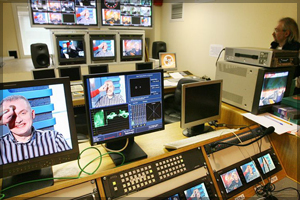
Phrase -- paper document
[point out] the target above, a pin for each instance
(176, 75)
(281, 126)
(168, 83)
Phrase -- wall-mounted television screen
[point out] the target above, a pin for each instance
(127, 13)
(63, 13)
(103, 47)
(131, 48)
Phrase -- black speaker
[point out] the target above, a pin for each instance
(158, 47)
(40, 55)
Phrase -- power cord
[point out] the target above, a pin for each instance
(120, 150)
(219, 56)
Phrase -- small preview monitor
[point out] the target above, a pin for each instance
(266, 163)
(167, 61)
(231, 180)
(43, 73)
(197, 192)
(250, 171)
(200, 103)
(143, 65)
(131, 48)
(74, 72)
(173, 197)
(95, 69)
(103, 47)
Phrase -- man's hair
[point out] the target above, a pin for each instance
(14, 98)
(290, 24)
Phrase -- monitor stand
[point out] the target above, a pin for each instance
(133, 151)
(196, 130)
(43, 173)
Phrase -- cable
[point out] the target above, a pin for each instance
(219, 56)
(115, 151)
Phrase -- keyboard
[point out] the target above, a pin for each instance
(198, 138)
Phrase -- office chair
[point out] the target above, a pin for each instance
(173, 102)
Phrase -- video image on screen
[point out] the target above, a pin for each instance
(71, 49)
(274, 87)
(103, 48)
(174, 197)
(132, 47)
(231, 180)
(167, 60)
(39, 123)
(197, 192)
(250, 171)
(266, 163)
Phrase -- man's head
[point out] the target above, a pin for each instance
(21, 123)
(104, 46)
(286, 31)
(110, 88)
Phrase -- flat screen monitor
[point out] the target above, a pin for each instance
(70, 49)
(63, 13)
(74, 72)
(250, 171)
(131, 48)
(43, 73)
(231, 180)
(200, 103)
(103, 47)
(167, 61)
(95, 69)
(123, 105)
(143, 65)
(197, 192)
(127, 13)
(266, 163)
(37, 131)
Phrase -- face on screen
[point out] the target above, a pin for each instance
(197, 192)
(132, 47)
(103, 48)
(250, 171)
(231, 180)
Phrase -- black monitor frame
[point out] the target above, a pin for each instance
(94, 37)
(62, 70)
(162, 56)
(43, 73)
(131, 57)
(95, 69)
(143, 65)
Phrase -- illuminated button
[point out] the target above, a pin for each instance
(114, 183)
(121, 176)
(115, 189)
(156, 164)
(171, 173)
(124, 185)
(134, 172)
(160, 163)
(128, 184)
(129, 189)
(180, 156)
(133, 187)
(129, 173)
(149, 166)
(125, 174)
(158, 168)
(147, 172)
(138, 186)
(146, 168)
(153, 180)
(160, 177)
(184, 169)
(146, 183)
(150, 181)
(122, 180)
(127, 179)
(181, 160)
(164, 176)
(138, 170)
(159, 173)
(125, 190)
(152, 175)
(164, 162)
(167, 161)
(142, 169)
(142, 184)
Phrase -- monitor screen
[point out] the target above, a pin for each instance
(201, 103)
(143, 65)
(173, 197)
(38, 128)
(63, 13)
(123, 105)
(71, 50)
(266, 163)
(167, 61)
(197, 192)
(250, 171)
(127, 13)
(74, 72)
(43, 73)
(103, 47)
(231, 180)
(131, 48)
(95, 69)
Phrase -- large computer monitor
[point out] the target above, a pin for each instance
(143, 65)
(123, 105)
(74, 72)
(95, 69)
(37, 132)
(200, 103)
(167, 61)
(43, 73)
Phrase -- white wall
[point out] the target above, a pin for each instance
(227, 24)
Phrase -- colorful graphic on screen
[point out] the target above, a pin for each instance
(231, 180)
(174, 197)
(71, 49)
(104, 48)
(132, 47)
(196, 192)
(167, 60)
(250, 171)
(266, 163)
(274, 87)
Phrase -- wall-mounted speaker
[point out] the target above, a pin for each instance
(40, 55)
(157, 47)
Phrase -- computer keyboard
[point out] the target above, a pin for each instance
(198, 138)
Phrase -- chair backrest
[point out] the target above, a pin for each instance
(177, 94)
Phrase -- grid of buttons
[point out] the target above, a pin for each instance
(170, 167)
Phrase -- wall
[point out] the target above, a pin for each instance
(227, 24)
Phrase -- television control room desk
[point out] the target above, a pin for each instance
(285, 146)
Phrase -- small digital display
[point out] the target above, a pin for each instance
(250, 171)
(231, 180)
(71, 49)
(167, 60)
(173, 197)
(132, 47)
(196, 192)
(103, 48)
(266, 163)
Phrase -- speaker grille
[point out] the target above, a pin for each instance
(227, 68)
(43, 60)
(232, 97)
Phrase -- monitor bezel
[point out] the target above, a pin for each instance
(103, 37)
(57, 158)
(160, 54)
(87, 103)
(183, 123)
(138, 64)
(70, 67)
(95, 66)
(131, 58)
(44, 70)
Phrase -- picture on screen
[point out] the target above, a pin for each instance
(274, 87)
(250, 171)
(196, 192)
(174, 197)
(266, 163)
(231, 180)
(104, 48)
(70, 49)
(167, 60)
(132, 48)
(35, 119)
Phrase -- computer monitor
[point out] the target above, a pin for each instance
(143, 65)
(42, 112)
(167, 61)
(123, 105)
(200, 103)
(103, 47)
(74, 72)
(95, 69)
(43, 73)
(131, 47)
